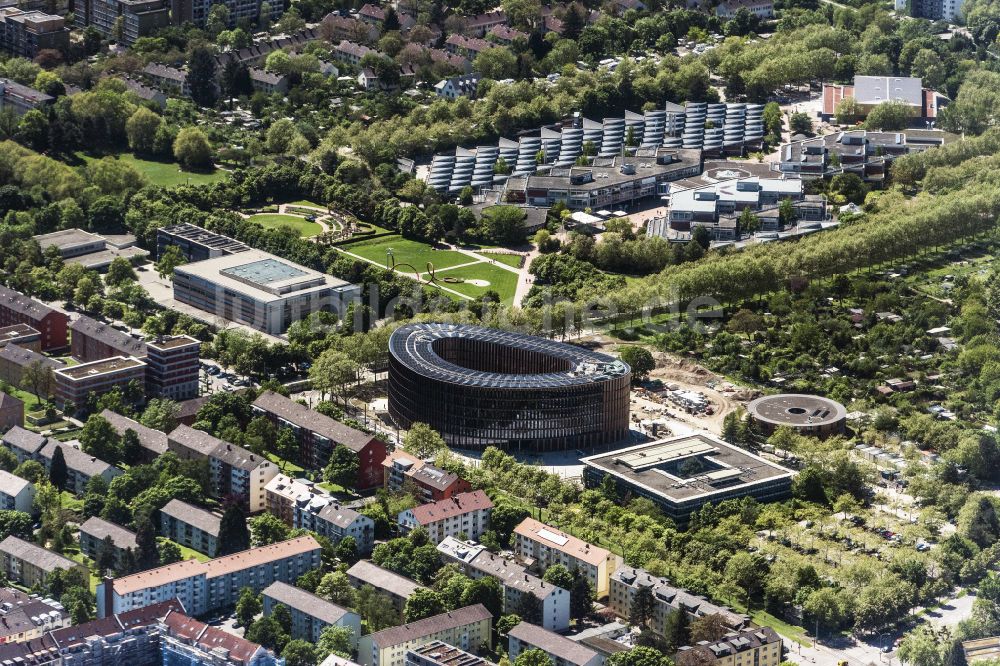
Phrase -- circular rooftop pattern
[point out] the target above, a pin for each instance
(484, 387)
(811, 414)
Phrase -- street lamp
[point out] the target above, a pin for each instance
(881, 644)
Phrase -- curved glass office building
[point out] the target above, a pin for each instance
(484, 387)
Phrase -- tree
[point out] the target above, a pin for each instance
(119, 272)
(172, 257)
(423, 603)
(708, 628)
(924, 647)
(201, 76)
(333, 370)
(160, 414)
(639, 359)
(169, 552)
(347, 550)
(141, 129)
(343, 467)
(847, 111)
(800, 123)
(192, 149)
(336, 640)
(148, 554)
(248, 607)
(888, 116)
(40, 378)
(267, 632)
(299, 653)
(266, 529)
(106, 555)
(533, 657)
(15, 523)
(643, 607)
(233, 533)
(745, 322)
(337, 588)
(486, 591)
(560, 576)
(423, 441)
(100, 439)
(639, 656)
(376, 608)
(978, 521)
(504, 225)
(823, 605)
(677, 630)
(581, 596)
(58, 473)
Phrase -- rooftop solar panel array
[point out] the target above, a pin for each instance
(709, 127)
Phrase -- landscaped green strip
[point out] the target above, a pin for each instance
(500, 280)
(406, 252)
(514, 260)
(304, 227)
(164, 174)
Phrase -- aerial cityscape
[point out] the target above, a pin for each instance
(525, 333)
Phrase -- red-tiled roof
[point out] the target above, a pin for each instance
(461, 503)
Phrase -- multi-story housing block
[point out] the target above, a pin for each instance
(561, 650)
(14, 360)
(465, 514)
(190, 526)
(238, 472)
(16, 308)
(318, 434)
(310, 614)
(75, 384)
(22, 335)
(25, 33)
(398, 588)
(81, 467)
(93, 533)
(27, 617)
(429, 483)
(547, 546)
(466, 628)
(11, 411)
(29, 565)
(205, 586)
(301, 504)
(125, 20)
(16, 494)
(751, 647)
(172, 366)
(153, 442)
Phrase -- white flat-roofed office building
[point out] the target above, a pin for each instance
(260, 290)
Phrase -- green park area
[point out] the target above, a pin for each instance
(277, 220)
(406, 252)
(513, 260)
(164, 174)
(480, 278)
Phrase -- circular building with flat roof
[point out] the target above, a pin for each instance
(483, 387)
(811, 415)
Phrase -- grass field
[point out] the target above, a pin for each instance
(514, 260)
(165, 174)
(407, 252)
(188, 553)
(276, 220)
(286, 466)
(501, 280)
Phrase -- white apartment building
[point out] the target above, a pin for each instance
(547, 546)
(465, 514)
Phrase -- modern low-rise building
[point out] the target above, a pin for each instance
(318, 434)
(260, 290)
(760, 647)
(427, 482)
(681, 474)
(205, 586)
(16, 308)
(16, 494)
(667, 599)
(190, 526)
(310, 614)
(81, 467)
(866, 154)
(546, 546)
(11, 412)
(561, 650)
(464, 515)
(27, 564)
(25, 33)
(301, 504)
(153, 442)
(75, 384)
(93, 533)
(476, 561)
(196, 243)
(398, 588)
(465, 628)
(923, 104)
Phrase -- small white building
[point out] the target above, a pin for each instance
(458, 86)
(16, 494)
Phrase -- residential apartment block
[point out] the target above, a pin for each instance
(172, 367)
(20, 99)
(238, 472)
(16, 494)
(310, 614)
(561, 650)
(27, 617)
(137, 18)
(727, 9)
(196, 11)
(153, 442)
(429, 483)
(92, 340)
(22, 335)
(756, 647)
(318, 434)
(29, 565)
(205, 586)
(302, 504)
(25, 444)
(466, 628)
(465, 514)
(14, 360)
(25, 33)
(81, 467)
(190, 526)
(626, 582)
(184, 641)
(16, 308)
(547, 546)
(95, 530)
(398, 588)
(476, 561)
(11, 411)
(75, 384)
(439, 653)
(191, 444)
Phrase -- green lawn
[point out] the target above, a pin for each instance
(306, 202)
(77, 556)
(276, 220)
(286, 466)
(165, 174)
(500, 280)
(407, 252)
(514, 260)
(188, 553)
